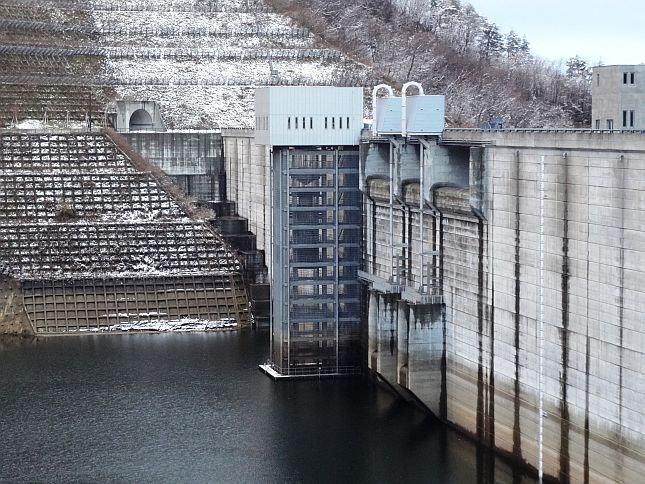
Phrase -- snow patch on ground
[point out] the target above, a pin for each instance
(180, 325)
(198, 107)
(40, 125)
(250, 72)
(185, 20)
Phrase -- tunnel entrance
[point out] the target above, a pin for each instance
(141, 121)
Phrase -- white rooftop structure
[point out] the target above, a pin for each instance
(408, 115)
(308, 116)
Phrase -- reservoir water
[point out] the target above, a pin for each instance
(195, 408)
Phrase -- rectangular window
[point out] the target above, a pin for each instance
(311, 123)
(624, 78)
(631, 119)
(610, 124)
(347, 122)
(340, 123)
(296, 122)
(631, 78)
(597, 124)
(288, 123)
(333, 123)
(624, 119)
(304, 125)
(598, 79)
(325, 122)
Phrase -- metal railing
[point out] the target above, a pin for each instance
(173, 53)
(545, 130)
(315, 370)
(349, 81)
(256, 31)
(105, 5)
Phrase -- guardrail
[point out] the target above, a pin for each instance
(544, 130)
(49, 27)
(172, 52)
(349, 81)
(102, 5)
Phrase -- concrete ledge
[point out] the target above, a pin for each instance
(379, 284)
(418, 298)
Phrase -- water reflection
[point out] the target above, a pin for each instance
(194, 407)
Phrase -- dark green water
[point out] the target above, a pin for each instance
(195, 408)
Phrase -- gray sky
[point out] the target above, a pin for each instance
(611, 31)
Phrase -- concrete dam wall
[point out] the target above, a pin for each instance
(503, 274)
(514, 286)
(248, 183)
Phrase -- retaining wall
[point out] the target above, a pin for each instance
(97, 245)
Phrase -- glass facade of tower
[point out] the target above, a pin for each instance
(316, 256)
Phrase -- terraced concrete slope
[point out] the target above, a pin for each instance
(200, 60)
(97, 245)
(39, 87)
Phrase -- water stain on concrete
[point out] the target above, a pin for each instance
(517, 434)
(565, 464)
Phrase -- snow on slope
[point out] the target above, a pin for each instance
(198, 93)
(193, 107)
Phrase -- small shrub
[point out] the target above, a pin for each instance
(65, 213)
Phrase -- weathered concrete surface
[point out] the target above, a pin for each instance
(555, 228)
(194, 160)
(618, 89)
(248, 183)
(475, 359)
(13, 316)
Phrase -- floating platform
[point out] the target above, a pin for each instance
(271, 372)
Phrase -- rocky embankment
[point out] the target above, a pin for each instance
(13, 318)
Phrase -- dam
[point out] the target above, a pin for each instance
(499, 273)
(535, 241)
(503, 275)
(501, 270)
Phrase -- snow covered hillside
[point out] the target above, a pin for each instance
(202, 91)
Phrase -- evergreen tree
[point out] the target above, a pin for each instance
(491, 41)
(513, 44)
(577, 68)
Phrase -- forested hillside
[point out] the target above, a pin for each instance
(452, 50)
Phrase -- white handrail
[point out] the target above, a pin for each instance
(374, 93)
(404, 110)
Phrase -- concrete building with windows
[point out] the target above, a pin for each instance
(618, 97)
(312, 135)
